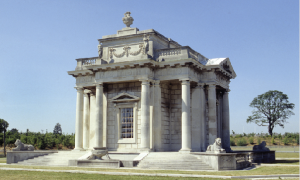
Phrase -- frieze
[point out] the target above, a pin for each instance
(84, 79)
(124, 73)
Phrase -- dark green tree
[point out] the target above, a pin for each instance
(271, 109)
(57, 129)
(3, 127)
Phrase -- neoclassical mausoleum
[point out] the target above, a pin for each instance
(146, 92)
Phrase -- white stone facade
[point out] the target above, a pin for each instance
(146, 92)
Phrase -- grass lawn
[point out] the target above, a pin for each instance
(20, 175)
(2, 158)
(286, 155)
(286, 162)
(258, 171)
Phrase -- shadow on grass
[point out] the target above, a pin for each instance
(287, 162)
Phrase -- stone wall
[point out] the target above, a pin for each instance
(175, 117)
(165, 118)
(112, 90)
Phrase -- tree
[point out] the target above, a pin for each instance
(57, 129)
(3, 126)
(271, 109)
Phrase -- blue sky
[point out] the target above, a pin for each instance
(40, 40)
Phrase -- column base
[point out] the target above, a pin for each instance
(78, 149)
(145, 150)
(185, 151)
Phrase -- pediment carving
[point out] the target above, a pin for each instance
(124, 97)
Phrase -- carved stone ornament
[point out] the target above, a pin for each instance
(216, 147)
(100, 50)
(22, 147)
(146, 44)
(126, 51)
(127, 19)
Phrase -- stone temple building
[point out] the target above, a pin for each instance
(146, 92)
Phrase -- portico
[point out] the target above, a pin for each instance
(146, 92)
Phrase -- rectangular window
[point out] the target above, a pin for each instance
(127, 122)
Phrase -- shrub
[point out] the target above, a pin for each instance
(242, 142)
(258, 141)
(251, 140)
(232, 143)
(297, 139)
(272, 141)
(286, 140)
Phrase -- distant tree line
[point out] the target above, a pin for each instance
(49, 140)
(254, 139)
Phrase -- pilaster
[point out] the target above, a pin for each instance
(212, 120)
(157, 117)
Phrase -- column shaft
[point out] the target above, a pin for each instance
(196, 119)
(202, 118)
(79, 118)
(212, 120)
(99, 116)
(185, 117)
(145, 116)
(226, 123)
(86, 119)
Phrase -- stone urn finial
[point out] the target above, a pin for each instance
(127, 19)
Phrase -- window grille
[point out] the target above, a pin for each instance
(127, 122)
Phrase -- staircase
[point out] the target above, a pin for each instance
(172, 160)
(56, 159)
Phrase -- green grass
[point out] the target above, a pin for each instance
(266, 170)
(286, 155)
(286, 162)
(20, 175)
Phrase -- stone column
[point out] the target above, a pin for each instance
(79, 118)
(196, 119)
(212, 110)
(202, 117)
(226, 122)
(99, 116)
(157, 117)
(186, 135)
(145, 116)
(86, 119)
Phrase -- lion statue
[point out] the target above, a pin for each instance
(22, 147)
(261, 147)
(216, 147)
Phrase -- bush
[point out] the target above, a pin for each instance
(297, 139)
(258, 141)
(232, 143)
(272, 141)
(242, 142)
(251, 140)
(286, 140)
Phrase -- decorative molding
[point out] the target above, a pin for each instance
(125, 73)
(124, 97)
(84, 79)
(126, 51)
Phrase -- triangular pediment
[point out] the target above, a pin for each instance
(124, 97)
(223, 63)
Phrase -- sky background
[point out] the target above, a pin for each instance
(40, 40)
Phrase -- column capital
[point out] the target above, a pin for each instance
(79, 88)
(226, 91)
(185, 82)
(200, 85)
(156, 83)
(98, 84)
(87, 91)
(145, 81)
